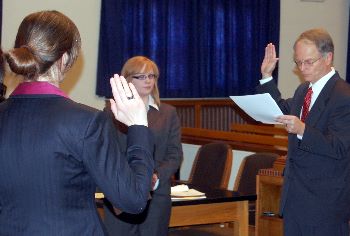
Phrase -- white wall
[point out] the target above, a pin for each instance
(81, 81)
(296, 16)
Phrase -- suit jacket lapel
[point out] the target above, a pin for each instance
(321, 101)
(300, 100)
(296, 110)
(152, 115)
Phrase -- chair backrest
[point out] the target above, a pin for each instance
(245, 181)
(212, 166)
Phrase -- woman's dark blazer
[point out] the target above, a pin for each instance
(53, 154)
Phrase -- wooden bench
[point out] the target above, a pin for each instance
(238, 140)
(259, 129)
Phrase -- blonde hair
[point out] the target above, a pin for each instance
(141, 64)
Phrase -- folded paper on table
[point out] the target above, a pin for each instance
(180, 188)
(189, 193)
(261, 107)
(99, 195)
(187, 198)
(182, 192)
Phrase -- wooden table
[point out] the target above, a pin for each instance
(220, 206)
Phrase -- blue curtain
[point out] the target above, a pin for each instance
(0, 20)
(204, 48)
(348, 56)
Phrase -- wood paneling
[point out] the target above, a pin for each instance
(238, 141)
(210, 120)
(216, 114)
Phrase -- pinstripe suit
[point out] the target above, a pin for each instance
(53, 154)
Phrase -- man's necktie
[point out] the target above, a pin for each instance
(306, 105)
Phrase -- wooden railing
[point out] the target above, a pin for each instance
(238, 141)
(214, 120)
(277, 130)
(216, 114)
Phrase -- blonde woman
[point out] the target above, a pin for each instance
(143, 73)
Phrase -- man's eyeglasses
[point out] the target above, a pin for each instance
(308, 62)
(144, 76)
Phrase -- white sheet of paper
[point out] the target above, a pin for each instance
(99, 195)
(179, 193)
(261, 107)
(186, 198)
(190, 193)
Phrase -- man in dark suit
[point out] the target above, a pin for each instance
(316, 192)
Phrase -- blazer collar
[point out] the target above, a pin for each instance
(37, 88)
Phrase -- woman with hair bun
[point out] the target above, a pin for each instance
(54, 151)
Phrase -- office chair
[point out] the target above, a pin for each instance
(211, 167)
(245, 182)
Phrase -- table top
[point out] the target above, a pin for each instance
(212, 196)
(215, 196)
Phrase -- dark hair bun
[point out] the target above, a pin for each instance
(22, 61)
